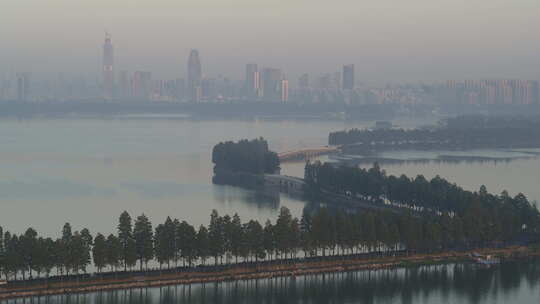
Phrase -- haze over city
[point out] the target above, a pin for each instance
(388, 41)
(257, 151)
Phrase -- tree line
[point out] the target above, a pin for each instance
(436, 216)
(228, 240)
(486, 217)
(489, 122)
(461, 132)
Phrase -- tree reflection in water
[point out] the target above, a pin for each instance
(456, 283)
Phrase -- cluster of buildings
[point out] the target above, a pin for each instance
(266, 84)
(491, 92)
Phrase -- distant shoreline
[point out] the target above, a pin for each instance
(252, 271)
(354, 160)
(222, 110)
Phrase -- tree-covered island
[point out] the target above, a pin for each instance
(244, 162)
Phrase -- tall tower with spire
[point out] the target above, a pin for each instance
(194, 76)
(108, 70)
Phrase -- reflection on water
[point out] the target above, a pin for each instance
(94, 169)
(441, 159)
(162, 168)
(259, 199)
(422, 157)
(516, 282)
(520, 175)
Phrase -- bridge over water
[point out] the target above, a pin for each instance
(285, 182)
(295, 185)
(305, 153)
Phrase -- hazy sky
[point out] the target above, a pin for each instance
(388, 40)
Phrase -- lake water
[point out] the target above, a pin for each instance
(515, 282)
(87, 171)
(515, 176)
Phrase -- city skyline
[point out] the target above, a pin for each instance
(305, 151)
(267, 84)
(237, 73)
(417, 40)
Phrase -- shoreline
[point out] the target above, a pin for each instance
(302, 267)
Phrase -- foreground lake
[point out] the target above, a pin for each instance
(87, 171)
(514, 282)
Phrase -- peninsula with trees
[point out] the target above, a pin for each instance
(458, 133)
(175, 252)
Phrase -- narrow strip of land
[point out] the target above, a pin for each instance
(262, 270)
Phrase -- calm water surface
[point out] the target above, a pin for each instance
(87, 171)
(516, 283)
(519, 175)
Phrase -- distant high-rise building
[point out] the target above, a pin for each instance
(208, 89)
(536, 91)
(23, 86)
(303, 93)
(125, 85)
(451, 84)
(488, 94)
(271, 81)
(504, 93)
(303, 81)
(142, 85)
(180, 88)
(194, 76)
(252, 80)
(348, 77)
(336, 80)
(108, 71)
(324, 81)
(158, 89)
(284, 90)
(5, 87)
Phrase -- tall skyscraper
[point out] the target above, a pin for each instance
(108, 71)
(142, 85)
(194, 76)
(208, 88)
(348, 77)
(125, 85)
(23, 86)
(284, 90)
(181, 86)
(271, 81)
(336, 81)
(252, 80)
